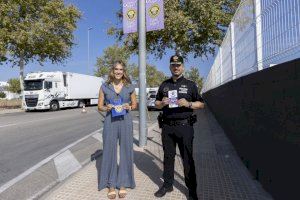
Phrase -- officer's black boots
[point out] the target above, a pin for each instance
(162, 191)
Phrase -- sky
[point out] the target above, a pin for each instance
(98, 15)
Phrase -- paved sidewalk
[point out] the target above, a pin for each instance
(220, 173)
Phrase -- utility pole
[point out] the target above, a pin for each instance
(88, 31)
(142, 72)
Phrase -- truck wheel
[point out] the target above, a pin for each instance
(54, 106)
(81, 103)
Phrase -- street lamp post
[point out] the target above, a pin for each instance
(89, 49)
(142, 73)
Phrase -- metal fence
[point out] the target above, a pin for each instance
(262, 33)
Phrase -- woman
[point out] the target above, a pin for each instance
(117, 98)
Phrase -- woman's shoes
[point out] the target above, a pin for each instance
(111, 194)
(122, 192)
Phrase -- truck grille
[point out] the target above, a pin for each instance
(31, 102)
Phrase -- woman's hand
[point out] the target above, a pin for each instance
(109, 107)
(126, 106)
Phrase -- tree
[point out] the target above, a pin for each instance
(194, 75)
(133, 71)
(154, 77)
(114, 53)
(13, 85)
(110, 55)
(191, 26)
(36, 30)
(2, 95)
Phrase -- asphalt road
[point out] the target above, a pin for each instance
(28, 138)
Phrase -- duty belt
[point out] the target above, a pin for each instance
(176, 122)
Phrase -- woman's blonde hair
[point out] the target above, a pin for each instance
(125, 78)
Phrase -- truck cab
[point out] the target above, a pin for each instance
(43, 91)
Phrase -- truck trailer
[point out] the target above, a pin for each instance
(55, 90)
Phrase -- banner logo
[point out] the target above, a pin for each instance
(131, 14)
(154, 10)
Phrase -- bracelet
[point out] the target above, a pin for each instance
(190, 104)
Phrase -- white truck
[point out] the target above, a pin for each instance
(55, 90)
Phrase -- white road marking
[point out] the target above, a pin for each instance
(29, 122)
(8, 125)
(98, 136)
(32, 169)
(14, 124)
(136, 122)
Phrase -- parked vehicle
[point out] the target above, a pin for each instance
(151, 96)
(55, 90)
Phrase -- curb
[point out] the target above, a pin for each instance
(42, 177)
(50, 172)
(151, 127)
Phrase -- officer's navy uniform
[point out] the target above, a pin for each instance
(177, 129)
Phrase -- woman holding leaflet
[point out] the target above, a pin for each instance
(117, 98)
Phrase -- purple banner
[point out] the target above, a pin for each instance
(154, 15)
(130, 13)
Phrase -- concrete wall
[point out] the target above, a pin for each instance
(261, 115)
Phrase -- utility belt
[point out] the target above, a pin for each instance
(176, 122)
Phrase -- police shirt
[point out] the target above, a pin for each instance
(185, 89)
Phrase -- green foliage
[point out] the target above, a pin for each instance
(36, 30)
(114, 53)
(194, 75)
(154, 77)
(2, 95)
(191, 26)
(14, 85)
(133, 71)
(110, 55)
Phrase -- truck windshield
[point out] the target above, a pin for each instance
(33, 85)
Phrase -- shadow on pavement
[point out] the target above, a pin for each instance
(146, 164)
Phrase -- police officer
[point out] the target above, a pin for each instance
(178, 97)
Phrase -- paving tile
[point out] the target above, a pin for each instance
(220, 173)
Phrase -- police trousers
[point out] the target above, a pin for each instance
(183, 135)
